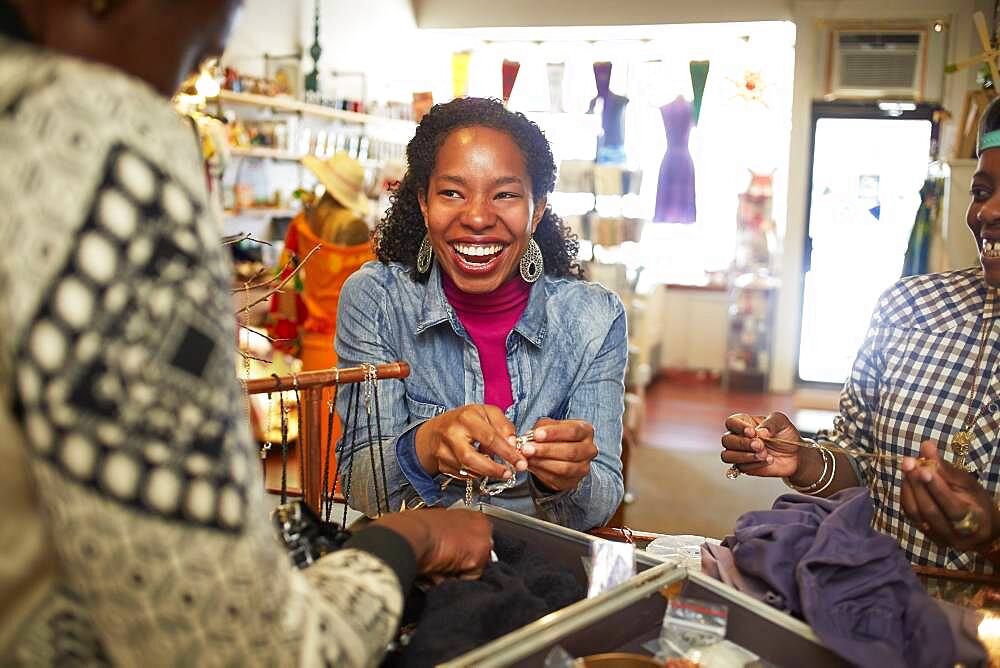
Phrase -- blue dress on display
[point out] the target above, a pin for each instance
(675, 192)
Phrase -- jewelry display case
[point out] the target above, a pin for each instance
(625, 618)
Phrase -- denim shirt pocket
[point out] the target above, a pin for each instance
(422, 410)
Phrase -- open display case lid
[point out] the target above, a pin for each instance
(625, 617)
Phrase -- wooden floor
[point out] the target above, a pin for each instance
(676, 478)
(690, 417)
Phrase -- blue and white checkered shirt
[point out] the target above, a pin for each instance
(914, 379)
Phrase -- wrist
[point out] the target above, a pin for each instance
(809, 468)
(423, 446)
(412, 528)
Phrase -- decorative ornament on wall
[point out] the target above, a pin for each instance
(977, 99)
(989, 54)
(750, 88)
(315, 51)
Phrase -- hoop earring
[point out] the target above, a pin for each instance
(532, 266)
(425, 255)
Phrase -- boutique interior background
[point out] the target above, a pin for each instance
(401, 46)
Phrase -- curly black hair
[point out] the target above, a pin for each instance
(397, 236)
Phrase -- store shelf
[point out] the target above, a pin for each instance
(260, 211)
(264, 152)
(296, 106)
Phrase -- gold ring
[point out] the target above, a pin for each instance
(968, 524)
(733, 472)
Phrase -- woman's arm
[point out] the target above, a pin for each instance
(599, 399)
(846, 462)
(363, 334)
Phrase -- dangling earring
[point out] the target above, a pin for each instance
(531, 263)
(425, 255)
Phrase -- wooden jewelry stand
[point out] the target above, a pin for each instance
(311, 385)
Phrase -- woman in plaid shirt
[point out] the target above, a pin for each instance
(920, 414)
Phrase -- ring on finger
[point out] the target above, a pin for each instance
(968, 524)
(524, 439)
(733, 472)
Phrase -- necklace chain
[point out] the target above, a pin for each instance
(963, 439)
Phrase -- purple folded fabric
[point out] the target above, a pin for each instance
(768, 544)
(717, 562)
(861, 597)
(820, 560)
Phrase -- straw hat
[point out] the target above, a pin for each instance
(344, 180)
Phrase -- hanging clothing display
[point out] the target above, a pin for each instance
(556, 72)
(509, 71)
(926, 234)
(611, 143)
(820, 560)
(460, 73)
(675, 192)
(317, 294)
(699, 75)
(304, 319)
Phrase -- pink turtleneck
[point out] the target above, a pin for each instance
(489, 318)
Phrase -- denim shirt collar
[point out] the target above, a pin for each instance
(436, 310)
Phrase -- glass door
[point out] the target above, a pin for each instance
(867, 170)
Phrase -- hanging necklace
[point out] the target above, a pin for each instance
(963, 439)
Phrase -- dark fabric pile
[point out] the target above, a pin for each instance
(820, 560)
(457, 616)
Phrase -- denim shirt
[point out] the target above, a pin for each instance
(566, 359)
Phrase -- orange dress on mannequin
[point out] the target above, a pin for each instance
(307, 317)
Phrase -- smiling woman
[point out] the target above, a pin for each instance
(479, 290)
(918, 417)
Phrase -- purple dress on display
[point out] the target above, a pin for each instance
(675, 190)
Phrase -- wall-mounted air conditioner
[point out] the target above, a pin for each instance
(873, 63)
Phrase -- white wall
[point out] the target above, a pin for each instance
(264, 27)
(378, 37)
